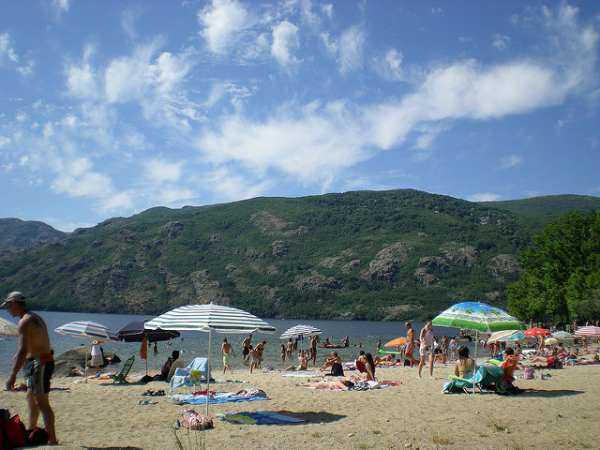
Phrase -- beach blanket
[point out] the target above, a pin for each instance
(218, 398)
(259, 418)
(302, 374)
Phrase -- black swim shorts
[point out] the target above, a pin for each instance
(38, 375)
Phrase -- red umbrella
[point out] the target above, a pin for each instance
(538, 332)
(588, 331)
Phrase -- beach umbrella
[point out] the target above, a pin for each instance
(208, 319)
(563, 336)
(536, 331)
(507, 336)
(7, 328)
(479, 317)
(135, 332)
(587, 331)
(395, 342)
(89, 330)
(300, 331)
(551, 341)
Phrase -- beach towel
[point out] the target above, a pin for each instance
(249, 395)
(302, 374)
(259, 418)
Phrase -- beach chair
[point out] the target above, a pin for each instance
(193, 374)
(484, 376)
(121, 377)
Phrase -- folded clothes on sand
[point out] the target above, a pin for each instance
(259, 418)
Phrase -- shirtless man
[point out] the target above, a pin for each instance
(313, 349)
(35, 355)
(227, 351)
(246, 346)
(410, 343)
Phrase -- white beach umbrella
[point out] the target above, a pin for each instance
(89, 330)
(7, 328)
(507, 336)
(208, 319)
(300, 330)
(563, 336)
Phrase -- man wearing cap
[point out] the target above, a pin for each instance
(35, 356)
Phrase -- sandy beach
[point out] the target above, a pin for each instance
(559, 412)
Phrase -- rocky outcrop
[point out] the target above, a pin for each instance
(465, 256)
(316, 282)
(387, 262)
(268, 223)
(172, 229)
(351, 266)
(434, 264)
(206, 289)
(331, 261)
(425, 278)
(279, 248)
(504, 265)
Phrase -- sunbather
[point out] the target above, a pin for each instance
(370, 367)
(464, 366)
(360, 362)
(227, 351)
(334, 363)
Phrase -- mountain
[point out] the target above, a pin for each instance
(357, 255)
(16, 234)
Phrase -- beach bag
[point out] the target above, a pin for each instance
(12, 432)
(37, 436)
(195, 421)
(528, 373)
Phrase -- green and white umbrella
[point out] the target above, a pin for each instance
(477, 316)
(7, 328)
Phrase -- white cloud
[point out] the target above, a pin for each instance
(351, 47)
(510, 161)
(61, 5)
(78, 179)
(222, 21)
(129, 17)
(436, 10)
(314, 142)
(9, 56)
(81, 78)
(285, 42)
(327, 9)
(229, 185)
(500, 41)
(485, 197)
(161, 171)
(390, 65)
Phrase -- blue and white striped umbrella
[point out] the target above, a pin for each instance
(300, 330)
(86, 329)
(210, 317)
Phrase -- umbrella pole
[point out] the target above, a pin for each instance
(475, 359)
(85, 364)
(208, 371)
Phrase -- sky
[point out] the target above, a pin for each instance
(109, 108)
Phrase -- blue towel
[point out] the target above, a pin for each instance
(260, 418)
(216, 399)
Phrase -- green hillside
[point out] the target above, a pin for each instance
(357, 255)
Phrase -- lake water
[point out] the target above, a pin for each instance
(196, 343)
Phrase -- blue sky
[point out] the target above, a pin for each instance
(109, 108)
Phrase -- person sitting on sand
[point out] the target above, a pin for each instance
(370, 367)
(464, 366)
(165, 369)
(334, 362)
(510, 364)
(361, 362)
(302, 360)
(383, 360)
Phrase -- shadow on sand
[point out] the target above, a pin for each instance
(112, 448)
(313, 416)
(550, 393)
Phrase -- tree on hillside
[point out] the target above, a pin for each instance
(561, 272)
